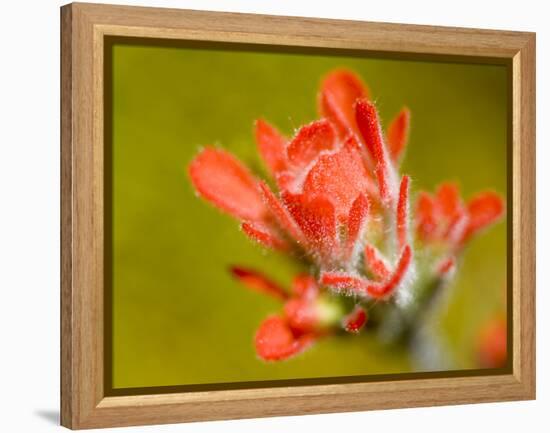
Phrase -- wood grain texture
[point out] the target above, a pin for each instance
(67, 385)
(83, 400)
(524, 233)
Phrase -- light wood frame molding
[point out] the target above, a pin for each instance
(83, 400)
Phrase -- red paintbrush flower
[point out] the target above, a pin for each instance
(355, 320)
(307, 315)
(275, 340)
(341, 204)
(330, 175)
(445, 222)
(444, 218)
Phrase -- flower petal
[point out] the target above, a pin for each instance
(454, 220)
(275, 340)
(317, 220)
(369, 126)
(225, 182)
(445, 267)
(309, 142)
(448, 199)
(286, 181)
(339, 91)
(301, 315)
(271, 145)
(355, 320)
(483, 209)
(426, 216)
(305, 286)
(456, 229)
(403, 213)
(341, 281)
(357, 219)
(259, 282)
(342, 176)
(362, 286)
(384, 290)
(264, 235)
(376, 263)
(281, 214)
(398, 134)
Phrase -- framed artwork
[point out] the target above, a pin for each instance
(268, 216)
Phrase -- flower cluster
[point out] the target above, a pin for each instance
(307, 315)
(340, 205)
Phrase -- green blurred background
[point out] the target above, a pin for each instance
(178, 316)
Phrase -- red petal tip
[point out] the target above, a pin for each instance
(426, 218)
(311, 140)
(398, 132)
(484, 209)
(265, 235)
(346, 282)
(357, 220)
(224, 181)
(258, 282)
(403, 213)
(369, 126)
(448, 197)
(339, 91)
(375, 262)
(446, 267)
(271, 145)
(387, 288)
(275, 340)
(355, 320)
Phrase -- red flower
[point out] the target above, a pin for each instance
(443, 218)
(492, 352)
(341, 204)
(307, 315)
(330, 176)
(355, 320)
(275, 340)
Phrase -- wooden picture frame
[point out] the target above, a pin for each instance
(84, 27)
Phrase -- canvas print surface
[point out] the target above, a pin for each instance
(283, 214)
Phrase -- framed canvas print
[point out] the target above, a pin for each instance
(271, 216)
